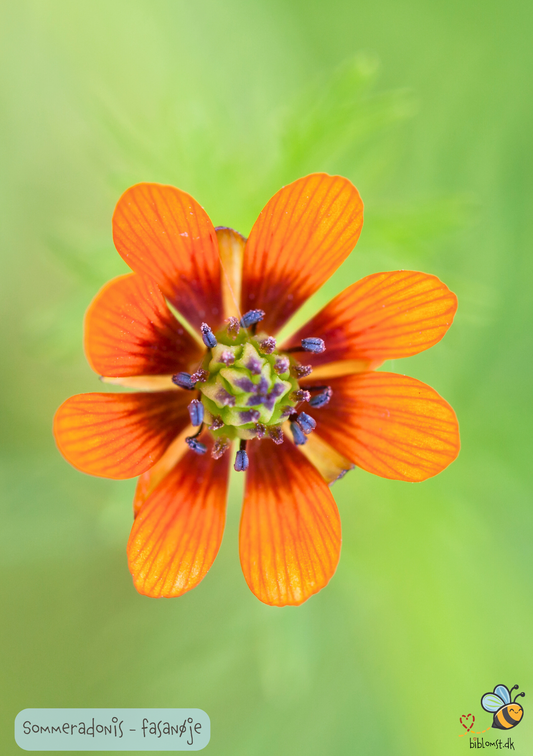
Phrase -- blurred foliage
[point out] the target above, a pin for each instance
(430, 606)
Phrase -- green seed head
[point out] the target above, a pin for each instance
(245, 386)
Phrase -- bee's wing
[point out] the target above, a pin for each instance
(503, 692)
(491, 702)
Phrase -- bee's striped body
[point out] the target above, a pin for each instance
(508, 716)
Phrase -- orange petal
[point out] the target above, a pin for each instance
(119, 435)
(177, 533)
(382, 317)
(231, 247)
(390, 425)
(142, 382)
(290, 535)
(150, 479)
(130, 331)
(330, 463)
(300, 238)
(163, 233)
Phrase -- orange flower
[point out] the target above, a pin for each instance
(298, 431)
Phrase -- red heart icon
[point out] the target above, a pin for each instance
(466, 717)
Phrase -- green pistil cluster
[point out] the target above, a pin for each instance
(248, 391)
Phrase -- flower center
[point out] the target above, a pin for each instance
(248, 388)
(247, 385)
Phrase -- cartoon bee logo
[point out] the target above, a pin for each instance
(507, 713)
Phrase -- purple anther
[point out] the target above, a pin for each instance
(233, 327)
(267, 345)
(300, 396)
(251, 317)
(320, 400)
(220, 447)
(196, 445)
(216, 424)
(200, 376)
(227, 357)
(241, 461)
(225, 398)
(275, 433)
(301, 371)
(183, 380)
(245, 384)
(317, 346)
(196, 412)
(260, 430)
(249, 416)
(298, 435)
(286, 411)
(254, 365)
(306, 423)
(282, 365)
(208, 336)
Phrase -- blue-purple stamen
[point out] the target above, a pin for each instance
(196, 412)
(315, 345)
(320, 400)
(252, 317)
(183, 380)
(306, 422)
(267, 345)
(195, 445)
(241, 458)
(208, 336)
(301, 371)
(298, 435)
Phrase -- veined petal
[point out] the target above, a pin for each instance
(129, 331)
(301, 237)
(231, 248)
(163, 233)
(290, 534)
(390, 425)
(150, 479)
(177, 533)
(119, 435)
(382, 317)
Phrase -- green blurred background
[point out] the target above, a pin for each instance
(426, 107)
